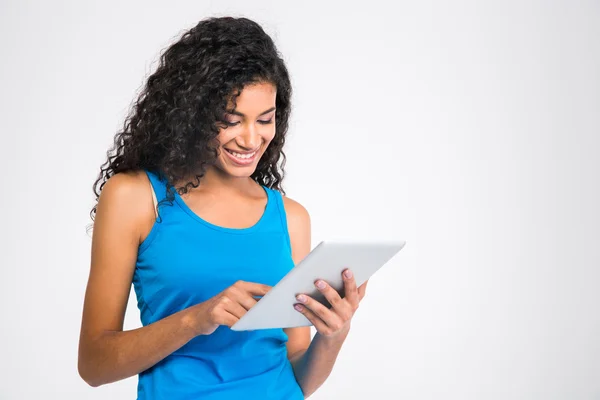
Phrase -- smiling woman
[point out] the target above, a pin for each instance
(192, 213)
(249, 131)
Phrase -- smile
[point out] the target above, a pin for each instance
(241, 158)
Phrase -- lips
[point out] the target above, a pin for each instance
(241, 158)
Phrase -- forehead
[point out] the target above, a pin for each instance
(256, 97)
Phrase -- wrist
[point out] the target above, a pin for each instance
(336, 339)
(189, 321)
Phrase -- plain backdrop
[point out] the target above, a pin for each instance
(469, 129)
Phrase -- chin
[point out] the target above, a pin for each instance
(239, 172)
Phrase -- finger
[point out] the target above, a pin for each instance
(317, 322)
(341, 307)
(233, 307)
(332, 296)
(331, 318)
(255, 289)
(362, 290)
(224, 317)
(230, 320)
(241, 296)
(351, 293)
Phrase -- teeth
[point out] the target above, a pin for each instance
(243, 156)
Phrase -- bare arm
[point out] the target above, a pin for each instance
(312, 361)
(106, 352)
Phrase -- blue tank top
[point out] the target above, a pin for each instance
(186, 260)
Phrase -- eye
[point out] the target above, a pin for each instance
(229, 123)
(265, 122)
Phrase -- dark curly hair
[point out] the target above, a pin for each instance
(172, 127)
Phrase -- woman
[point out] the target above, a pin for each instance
(193, 216)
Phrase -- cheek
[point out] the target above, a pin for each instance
(225, 136)
(267, 140)
(268, 136)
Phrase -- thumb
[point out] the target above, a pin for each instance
(362, 289)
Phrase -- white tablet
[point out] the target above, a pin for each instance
(326, 261)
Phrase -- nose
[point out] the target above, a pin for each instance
(249, 139)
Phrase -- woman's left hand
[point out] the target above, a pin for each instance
(334, 321)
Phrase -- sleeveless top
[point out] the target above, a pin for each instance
(186, 260)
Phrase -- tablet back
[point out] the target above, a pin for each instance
(326, 261)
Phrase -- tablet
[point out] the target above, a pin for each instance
(327, 261)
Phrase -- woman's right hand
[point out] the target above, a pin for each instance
(227, 307)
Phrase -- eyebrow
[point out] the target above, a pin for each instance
(234, 112)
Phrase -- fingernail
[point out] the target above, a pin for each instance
(321, 284)
(298, 307)
(301, 298)
(348, 274)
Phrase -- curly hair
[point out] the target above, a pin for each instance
(172, 127)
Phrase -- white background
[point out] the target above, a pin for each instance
(471, 130)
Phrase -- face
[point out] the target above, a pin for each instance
(251, 127)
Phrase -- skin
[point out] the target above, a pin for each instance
(227, 197)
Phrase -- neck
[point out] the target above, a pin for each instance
(216, 180)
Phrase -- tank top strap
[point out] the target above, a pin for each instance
(159, 185)
(279, 213)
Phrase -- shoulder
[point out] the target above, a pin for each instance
(126, 188)
(127, 197)
(296, 213)
(299, 228)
